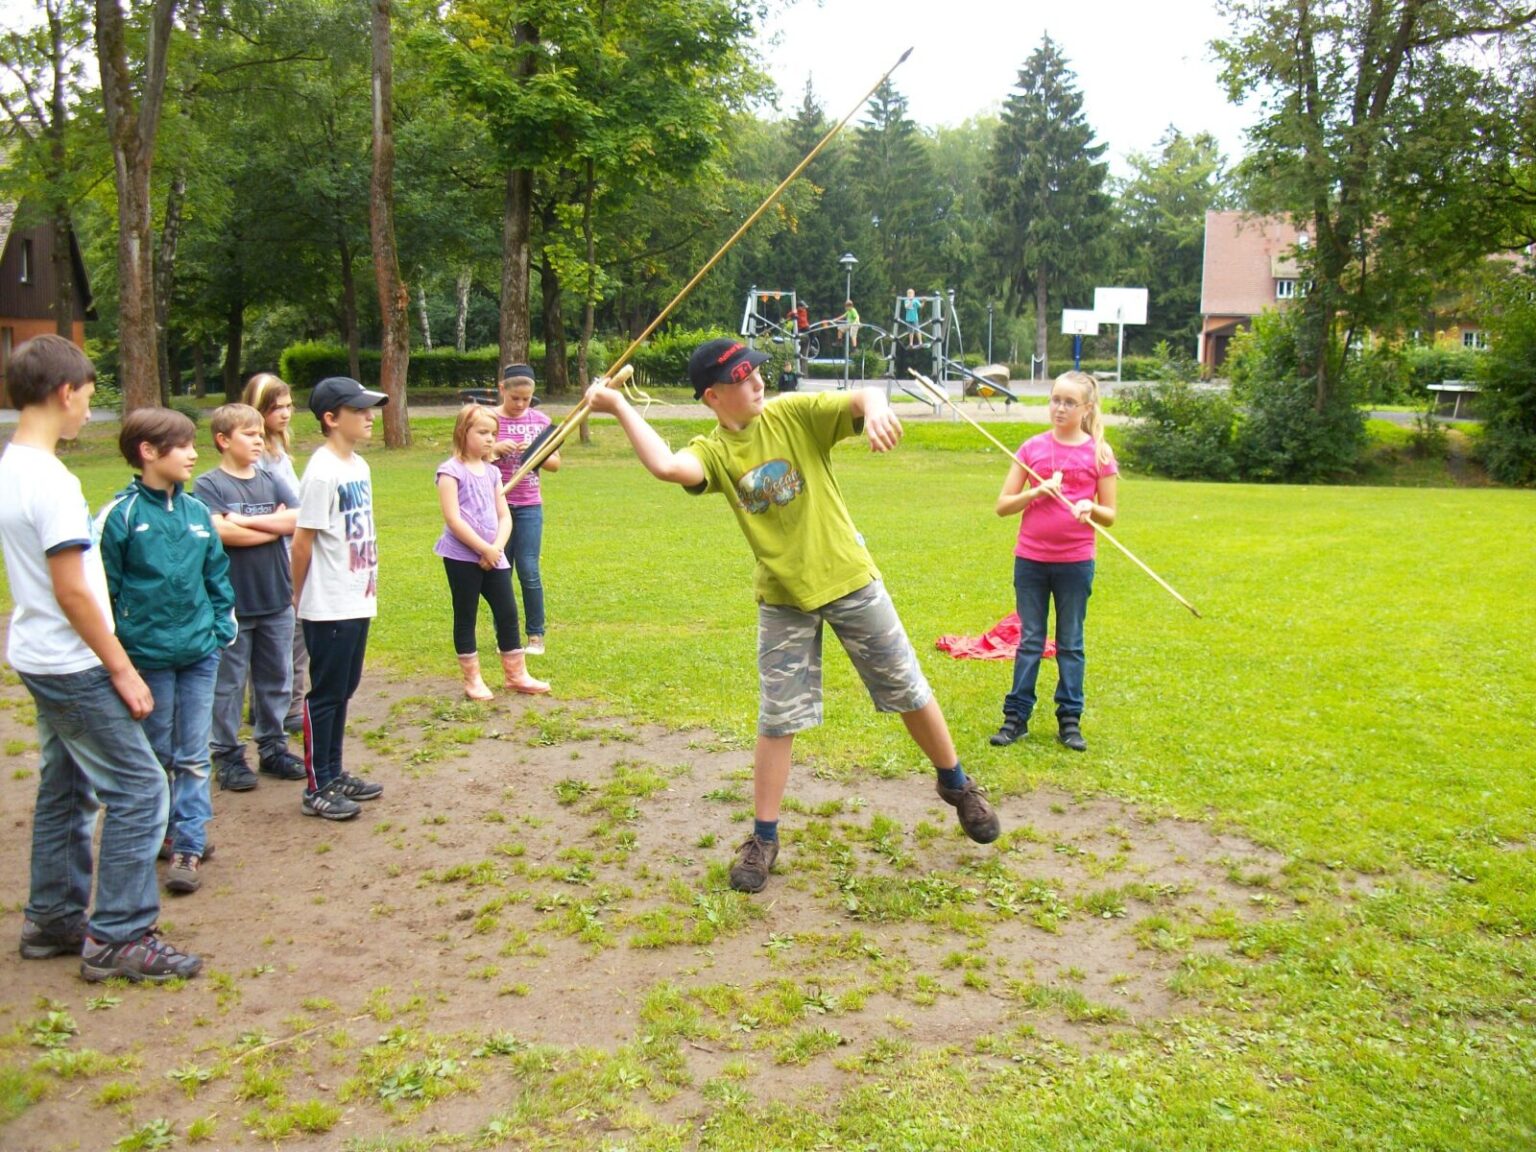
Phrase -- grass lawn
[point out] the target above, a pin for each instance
(1358, 698)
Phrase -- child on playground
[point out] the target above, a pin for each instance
(1054, 555)
(89, 696)
(849, 321)
(169, 582)
(270, 396)
(772, 462)
(335, 562)
(476, 526)
(254, 513)
(912, 316)
(519, 427)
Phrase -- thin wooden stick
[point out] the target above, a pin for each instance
(942, 397)
(563, 430)
(580, 411)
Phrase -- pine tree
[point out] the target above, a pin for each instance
(1046, 189)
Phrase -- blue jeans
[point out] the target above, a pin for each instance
(178, 731)
(94, 755)
(523, 551)
(263, 655)
(336, 651)
(1035, 585)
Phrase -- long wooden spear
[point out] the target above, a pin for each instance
(940, 396)
(577, 413)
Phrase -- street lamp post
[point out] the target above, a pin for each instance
(989, 331)
(847, 260)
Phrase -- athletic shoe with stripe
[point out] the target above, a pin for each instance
(148, 959)
(42, 941)
(330, 803)
(356, 788)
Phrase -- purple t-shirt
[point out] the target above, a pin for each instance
(521, 432)
(1048, 532)
(479, 497)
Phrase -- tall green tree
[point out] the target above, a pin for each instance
(1394, 131)
(1160, 233)
(1046, 191)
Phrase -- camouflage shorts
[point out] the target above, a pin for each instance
(789, 659)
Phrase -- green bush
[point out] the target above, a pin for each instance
(1183, 432)
(1434, 363)
(304, 365)
(663, 359)
(1283, 436)
(1507, 373)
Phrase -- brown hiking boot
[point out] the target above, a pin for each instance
(976, 816)
(754, 860)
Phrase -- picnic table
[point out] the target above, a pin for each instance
(1456, 389)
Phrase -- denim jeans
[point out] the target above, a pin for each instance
(94, 755)
(263, 655)
(178, 732)
(523, 551)
(336, 650)
(1035, 585)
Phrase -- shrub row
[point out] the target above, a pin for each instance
(304, 365)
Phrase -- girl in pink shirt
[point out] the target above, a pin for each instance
(1053, 559)
(519, 427)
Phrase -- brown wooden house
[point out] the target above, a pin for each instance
(26, 287)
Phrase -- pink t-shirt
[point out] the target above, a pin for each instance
(521, 432)
(1048, 532)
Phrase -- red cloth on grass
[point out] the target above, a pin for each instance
(1000, 642)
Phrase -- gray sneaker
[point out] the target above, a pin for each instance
(183, 875)
(236, 776)
(356, 788)
(148, 959)
(43, 941)
(330, 803)
(754, 860)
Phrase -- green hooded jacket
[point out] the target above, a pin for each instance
(167, 575)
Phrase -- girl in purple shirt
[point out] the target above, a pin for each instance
(476, 524)
(1053, 558)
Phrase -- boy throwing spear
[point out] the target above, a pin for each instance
(773, 463)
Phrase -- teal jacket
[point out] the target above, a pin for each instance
(167, 575)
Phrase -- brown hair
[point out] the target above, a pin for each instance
(1088, 396)
(230, 418)
(163, 428)
(465, 423)
(264, 392)
(43, 363)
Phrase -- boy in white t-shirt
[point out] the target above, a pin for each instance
(89, 697)
(335, 588)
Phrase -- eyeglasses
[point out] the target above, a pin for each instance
(1063, 403)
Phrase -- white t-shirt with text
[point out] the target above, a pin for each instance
(336, 500)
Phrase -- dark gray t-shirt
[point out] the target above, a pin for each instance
(263, 583)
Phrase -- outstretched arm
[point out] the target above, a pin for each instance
(660, 461)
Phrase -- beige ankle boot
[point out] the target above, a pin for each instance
(515, 666)
(474, 685)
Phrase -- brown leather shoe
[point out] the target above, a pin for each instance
(754, 860)
(976, 816)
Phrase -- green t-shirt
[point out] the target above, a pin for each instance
(777, 474)
(851, 315)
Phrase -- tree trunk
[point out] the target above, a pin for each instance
(165, 278)
(588, 313)
(461, 315)
(349, 311)
(516, 324)
(199, 371)
(394, 297)
(421, 311)
(132, 122)
(1042, 323)
(556, 375)
(63, 305)
(234, 336)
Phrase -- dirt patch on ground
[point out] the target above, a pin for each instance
(530, 936)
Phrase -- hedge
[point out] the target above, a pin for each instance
(304, 365)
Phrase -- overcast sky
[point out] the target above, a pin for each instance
(1140, 65)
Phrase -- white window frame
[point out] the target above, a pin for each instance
(1285, 289)
(1474, 339)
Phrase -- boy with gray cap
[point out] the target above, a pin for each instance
(335, 563)
(773, 463)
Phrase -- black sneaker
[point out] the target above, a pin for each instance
(1014, 728)
(754, 860)
(294, 724)
(976, 816)
(43, 941)
(330, 803)
(148, 959)
(1070, 734)
(285, 766)
(236, 776)
(356, 788)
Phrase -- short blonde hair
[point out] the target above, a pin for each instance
(231, 418)
(466, 423)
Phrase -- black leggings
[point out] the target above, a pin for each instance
(467, 582)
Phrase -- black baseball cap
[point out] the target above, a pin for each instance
(723, 361)
(342, 392)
